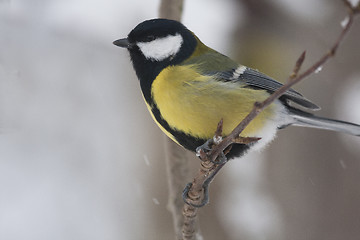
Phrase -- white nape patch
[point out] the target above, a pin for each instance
(161, 48)
(238, 71)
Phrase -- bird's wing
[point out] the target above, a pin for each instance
(255, 79)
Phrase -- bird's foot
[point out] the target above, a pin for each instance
(193, 198)
(206, 148)
(197, 203)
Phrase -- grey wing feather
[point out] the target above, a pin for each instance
(256, 79)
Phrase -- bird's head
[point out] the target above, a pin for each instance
(159, 41)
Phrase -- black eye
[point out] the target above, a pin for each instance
(150, 38)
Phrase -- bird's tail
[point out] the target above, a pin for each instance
(305, 119)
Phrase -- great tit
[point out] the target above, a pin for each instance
(188, 88)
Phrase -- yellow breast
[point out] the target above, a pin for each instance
(194, 104)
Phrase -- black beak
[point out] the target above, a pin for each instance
(124, 43)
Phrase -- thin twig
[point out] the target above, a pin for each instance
(297, 66)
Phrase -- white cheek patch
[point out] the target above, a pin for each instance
(161, 48)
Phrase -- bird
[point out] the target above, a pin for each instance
(188, 88)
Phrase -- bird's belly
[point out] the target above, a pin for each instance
(200, 119)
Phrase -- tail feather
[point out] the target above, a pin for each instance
(305, 119)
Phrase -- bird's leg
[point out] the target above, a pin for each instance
(206, 147)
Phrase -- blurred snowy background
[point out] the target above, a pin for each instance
(80, 157)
